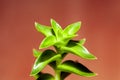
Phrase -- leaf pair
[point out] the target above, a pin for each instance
(55, 35)
(61, 39)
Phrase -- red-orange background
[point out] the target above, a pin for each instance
(100, 26)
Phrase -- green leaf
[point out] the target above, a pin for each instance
(48, 41)
(45, 76)
(78, 50)
(36, 53)
(56, 27)
(76, 68)
(47, 31)
(72, 28)
(44, 59)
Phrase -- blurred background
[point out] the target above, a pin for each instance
(100, 26)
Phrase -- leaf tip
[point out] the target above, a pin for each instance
(96, 58)
(35, 23)
(40, 47)
(93, 58)
(51, 20)
(96, 74)
(31, 73)
(84, 39)
(79, 23)
(92, 75)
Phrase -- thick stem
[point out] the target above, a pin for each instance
(58, 72)
(58, 62)
(57, 76)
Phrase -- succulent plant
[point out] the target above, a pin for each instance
(63, 43)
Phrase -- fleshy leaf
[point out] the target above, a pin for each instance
(79, 50)
(44, 59)
(76, 68)
(47, 31)
(36, 53)
(56, 27)
(45, 76)
(48, 41)
(72, 28)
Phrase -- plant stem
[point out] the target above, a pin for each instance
(58, 62)
(58, 72)
(57, 76)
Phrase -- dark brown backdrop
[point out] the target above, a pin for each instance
(101, 24)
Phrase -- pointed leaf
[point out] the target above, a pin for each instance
(36, 53)
(47, 31)
(55, 27)
(72, 28)
(45, 76)
(44, 59)
(76, 68)
(78, 50)
(48, 41)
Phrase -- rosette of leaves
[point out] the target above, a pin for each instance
(62, 41)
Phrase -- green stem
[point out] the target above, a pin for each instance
(57, 76)
(58, 72)
(58, 62)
